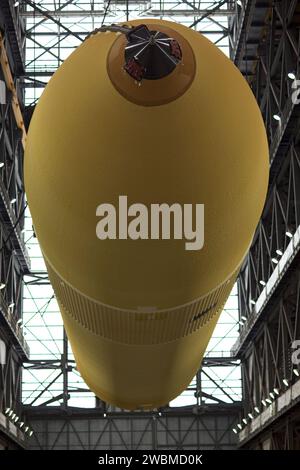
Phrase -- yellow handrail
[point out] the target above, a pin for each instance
(10, 85)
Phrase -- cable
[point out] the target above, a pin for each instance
(114, 28)
(105, 13)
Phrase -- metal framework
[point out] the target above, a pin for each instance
(282, 435)
(265, 44)
(14, 259)
(54, 29)
(188, 429)
(51, 385)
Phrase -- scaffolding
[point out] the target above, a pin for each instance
(51, 383)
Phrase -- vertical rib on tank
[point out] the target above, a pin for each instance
(178, 128)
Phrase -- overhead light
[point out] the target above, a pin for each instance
(272, 395)
(275, 260)
(268, 401)
(104, 415)
(13, 200)
(296, 372)
(7, 411)
(289, 234)
(285, 382)
(264, 402)
(19, 321)
(23, 230)
(279, 252)
(292, 76)
(263, 283)
(235, 431)
(244, 318)
(250, 416)
(13, 416)
(11, 305)
(30, 433)
(26, 429)
(252, 302)
(276, 391)
(1, 164)
(256, 409)
(276, 117)
(2, 286)
(244, 420)
(16, 419)
(10, 413)
(241, 322)
(240, 426)
(21, 424)
(16, 4)
(159, 414)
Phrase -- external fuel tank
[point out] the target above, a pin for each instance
(142, 126)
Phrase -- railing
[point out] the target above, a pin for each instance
(237, 27)
(13, 324)
(272, 283)
(11, 87)
(15, 235)
(224, 354)
(285, 401)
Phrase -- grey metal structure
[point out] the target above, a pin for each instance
(263, 39)
(52, 30)
(265, 45)
(189, 428)
(14, 259)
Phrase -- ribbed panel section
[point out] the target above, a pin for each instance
(132, 327)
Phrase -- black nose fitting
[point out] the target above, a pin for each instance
(150, 55)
